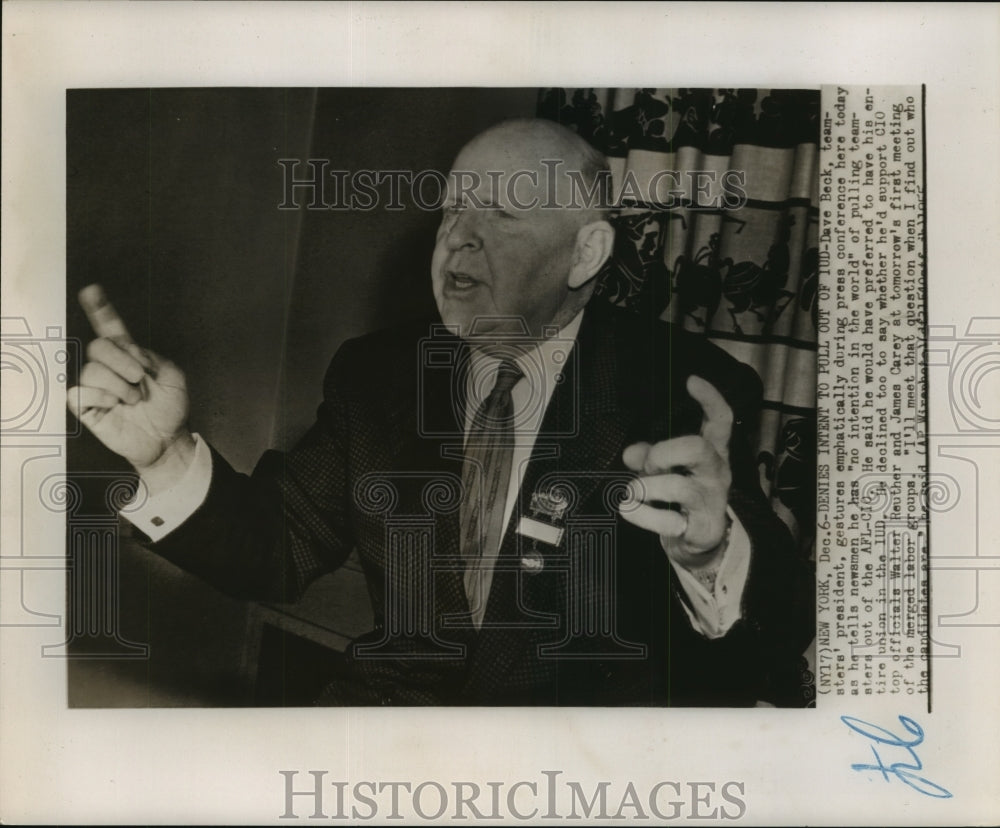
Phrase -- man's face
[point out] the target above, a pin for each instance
(498, 253)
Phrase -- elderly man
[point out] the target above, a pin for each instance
(582, 522)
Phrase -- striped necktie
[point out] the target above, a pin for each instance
(485, 478)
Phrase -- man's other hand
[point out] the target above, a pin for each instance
(683, 489)
(133, 401)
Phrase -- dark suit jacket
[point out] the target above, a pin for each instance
(602, 622)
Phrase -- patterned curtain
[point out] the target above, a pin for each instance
(718, 233)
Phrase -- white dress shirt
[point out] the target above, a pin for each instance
(711, 613)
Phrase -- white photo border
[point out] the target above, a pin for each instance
(223, 766)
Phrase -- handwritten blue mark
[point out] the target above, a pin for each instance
(901, 770)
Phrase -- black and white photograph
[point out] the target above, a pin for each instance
(493, 412)
(453, 396)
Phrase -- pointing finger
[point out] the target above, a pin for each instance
(717, 423)
(104, 319)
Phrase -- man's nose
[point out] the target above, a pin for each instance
(463, 230)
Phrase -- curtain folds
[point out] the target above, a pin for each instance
(717, 231)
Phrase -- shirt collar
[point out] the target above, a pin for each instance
(541, 365)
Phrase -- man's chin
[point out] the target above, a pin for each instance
(485, 326)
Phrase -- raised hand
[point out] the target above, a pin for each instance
(691, 474)
(133, 401)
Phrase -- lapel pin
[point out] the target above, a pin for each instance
(548, 508)
(539, 530)
(551, 504)
(532, 562)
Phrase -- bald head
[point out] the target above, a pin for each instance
(534, 158)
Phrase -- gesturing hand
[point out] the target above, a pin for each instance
(690, 473)
(133, 401)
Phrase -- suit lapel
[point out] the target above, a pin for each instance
(425, 428)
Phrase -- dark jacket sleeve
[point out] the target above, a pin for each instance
(762, 654)
(268, 535)
(778, 610)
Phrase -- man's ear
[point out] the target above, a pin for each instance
(594, 243)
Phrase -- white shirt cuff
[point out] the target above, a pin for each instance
(159, 515)
(713, 613)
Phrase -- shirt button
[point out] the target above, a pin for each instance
(156, 521)
(725, 590)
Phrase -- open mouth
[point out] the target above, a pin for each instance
(460, 281)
